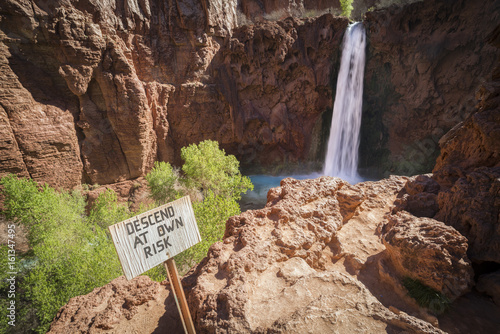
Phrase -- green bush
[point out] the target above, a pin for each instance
(107, 211)
(163, 181)
(426, 296)
(208, 168)
(347, 7)
(71, 255)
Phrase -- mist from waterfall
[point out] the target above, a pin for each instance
(342, 151)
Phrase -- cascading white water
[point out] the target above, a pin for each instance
(342, 155)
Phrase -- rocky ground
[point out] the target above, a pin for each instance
(322, 256)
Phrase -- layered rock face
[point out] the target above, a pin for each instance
(95, 92)
(98, 91)
(424, 63)
(257, 9)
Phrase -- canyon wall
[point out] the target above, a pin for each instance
(96, 92)
(256, 10)
(424, 63)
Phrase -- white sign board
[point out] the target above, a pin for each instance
(144, 241)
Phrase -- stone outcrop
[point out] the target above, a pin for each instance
(425, 60)
(312, 260)
(464, 189)
(112, 307)
(472, 206)
(429, 251)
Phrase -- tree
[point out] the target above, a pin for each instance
(69, 255)
(208, 168)
(347, 7)
(163, 181)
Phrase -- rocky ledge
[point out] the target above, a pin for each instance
(322, 256)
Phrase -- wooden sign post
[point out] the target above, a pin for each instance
(180, 299)
(146, 240)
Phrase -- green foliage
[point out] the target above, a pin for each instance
(107, 211)
(347, 7)
(211, 215)
(71, 255)
(40, 208)
(209, 171)
(208, 168)
(426, 296)
(162, 182)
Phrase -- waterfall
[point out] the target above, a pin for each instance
(342, 154)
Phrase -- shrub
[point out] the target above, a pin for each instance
(208, 168)
(426, 296)
(71, 255)
(107, 211)
(163, 181)
(347, 7)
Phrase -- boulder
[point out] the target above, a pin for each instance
(427, 250)
(490, 285)
(111, 308)
(472, 207)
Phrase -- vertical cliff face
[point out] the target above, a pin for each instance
(424, 62)
(256, 9)
(95, 92)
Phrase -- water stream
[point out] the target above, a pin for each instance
(342, 150)
(342, 153)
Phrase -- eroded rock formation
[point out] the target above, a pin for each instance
(108, 308)
(429, 251)
(314, 258)
(96, 92)
(424, 63)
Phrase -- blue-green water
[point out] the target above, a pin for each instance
(257, 198)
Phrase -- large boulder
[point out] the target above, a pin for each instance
(472, 206)
(427, 250)
(111, 307)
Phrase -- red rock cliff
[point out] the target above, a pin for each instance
(424, 63)
(95, 92)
